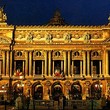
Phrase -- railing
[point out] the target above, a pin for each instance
(69, 104)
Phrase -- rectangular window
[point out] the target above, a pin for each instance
(38, 67)
(77, 67)
(96, 67)
(19, 65)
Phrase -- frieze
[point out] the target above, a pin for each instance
(3, 41)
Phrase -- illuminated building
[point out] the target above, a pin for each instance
(48, 60)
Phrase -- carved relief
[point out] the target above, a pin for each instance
(2, 40)
(76, 36)
(48, 38)
(30, 37)
(67, 38)
(87, 37)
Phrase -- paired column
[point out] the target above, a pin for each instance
(84, 63)
(104, 63)
(7, 63)
(106, 54)
(4, 61)
(11, 63)
(42, 67)
(65, 63)
(30, 63)
(46, 63)
(81, 72)
(0, 68)
(26, 63)
(92, 68)
(88, 63)
(72, 67)
(100, 67)
(50, 63)
(33, 67)
(53, 68)
(69, 63)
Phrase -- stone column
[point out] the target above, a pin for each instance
(92, 68)
(33, 67)
(26, 63)
(65, 63)
(7, 64)
(81, 68)
(61, 65)
(0, 67)
(30, 63)
(88, 63)
(53, 68)
(46, 63)
(84, 63)
(106, 63)
(100, 67)
(14, 66)
(42, 67)
(23, 68)
(11, 63)
(69, 63)
(4, 63)
(72, 67)
(50, 63)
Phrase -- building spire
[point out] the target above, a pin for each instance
(57, 19)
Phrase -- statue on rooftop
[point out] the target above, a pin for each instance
(3, 16)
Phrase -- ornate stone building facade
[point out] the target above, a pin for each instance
(46, 61)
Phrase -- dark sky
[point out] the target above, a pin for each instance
(39, 12)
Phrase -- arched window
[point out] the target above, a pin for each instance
(95, 53)
(38, 53)
(76, 53)
(19, 53)
(57, 53)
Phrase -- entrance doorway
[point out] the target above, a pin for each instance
(56, 91)
(96, 90)
(76, 91)
(37, 91)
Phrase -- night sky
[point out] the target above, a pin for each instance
(74, 12)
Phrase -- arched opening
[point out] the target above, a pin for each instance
(18, 89)
(56, 91)
(37, 91)
(76, 91)
(96, 90)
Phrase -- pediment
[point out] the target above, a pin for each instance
(4, 40)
